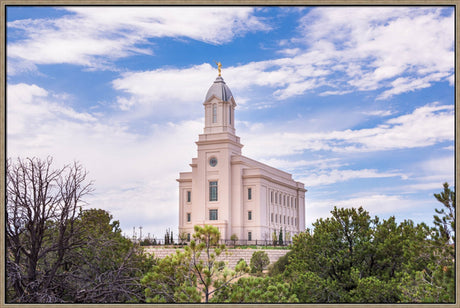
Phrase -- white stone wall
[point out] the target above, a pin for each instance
(233, 256)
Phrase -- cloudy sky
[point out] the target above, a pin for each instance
(355, 102)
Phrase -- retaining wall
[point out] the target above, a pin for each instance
(232, 257)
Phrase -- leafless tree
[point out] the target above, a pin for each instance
(42, 205)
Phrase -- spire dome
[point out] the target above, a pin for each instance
(220, 90)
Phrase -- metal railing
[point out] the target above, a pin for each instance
(179, 242)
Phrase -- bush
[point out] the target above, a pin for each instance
(259, 261)
(279, 266)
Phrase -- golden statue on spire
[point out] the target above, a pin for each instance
(219, 67)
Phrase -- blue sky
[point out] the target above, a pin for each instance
(355, 102)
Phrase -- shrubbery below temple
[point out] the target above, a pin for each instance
(58, 253)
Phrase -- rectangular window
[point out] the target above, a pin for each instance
(271, 196)
(213, 191)
(189, 196)
(250, 215)
(213, 215)
(230, 113)
(272, 217)
(249, 193)
(249, 236)
(214, 113)
(188, 237)
(189, 217)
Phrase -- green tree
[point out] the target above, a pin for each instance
(170, 281)
(194, 271)
(234, 238)
(373, 290)
(259, 261)
(204, 263)
(109, 267)
(446, 223)
(338, 244)
(436, 284)
(435, 281)
(279, 266)
(274, 238)
(398, 248)
(351, 253)
(310, 288)
(257, 290)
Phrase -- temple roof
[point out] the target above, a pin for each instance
(220, 90)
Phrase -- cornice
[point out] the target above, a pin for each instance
(264, 177)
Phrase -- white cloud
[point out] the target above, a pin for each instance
(380, 113)
(425, 126)
(295, 164)
(380, 205)
(150, 90)
(440, 169)
(94, 36)
(397, 49)
(380, 45)
(345, 49)
(134, 174)
(404, 85)
(394, 49)
(322, 177)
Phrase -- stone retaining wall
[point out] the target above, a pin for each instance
(234, 255)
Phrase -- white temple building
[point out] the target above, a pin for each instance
(237, 194)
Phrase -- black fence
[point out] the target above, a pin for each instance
(230, 243)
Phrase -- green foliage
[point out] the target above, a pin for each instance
(446, 223)
(169, 237)
(398, 248)
(193, 274)
(337, 245)
(256, 290)
(435, 281)
(436, 284)
(279, 266)
(259, 261)
(373, 290)
(169, 281)
(108, 267)
(351, 257)
(310, 288)
(234, 238)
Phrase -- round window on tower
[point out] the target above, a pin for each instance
(213, 162)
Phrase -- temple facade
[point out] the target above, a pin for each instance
(237, 194)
